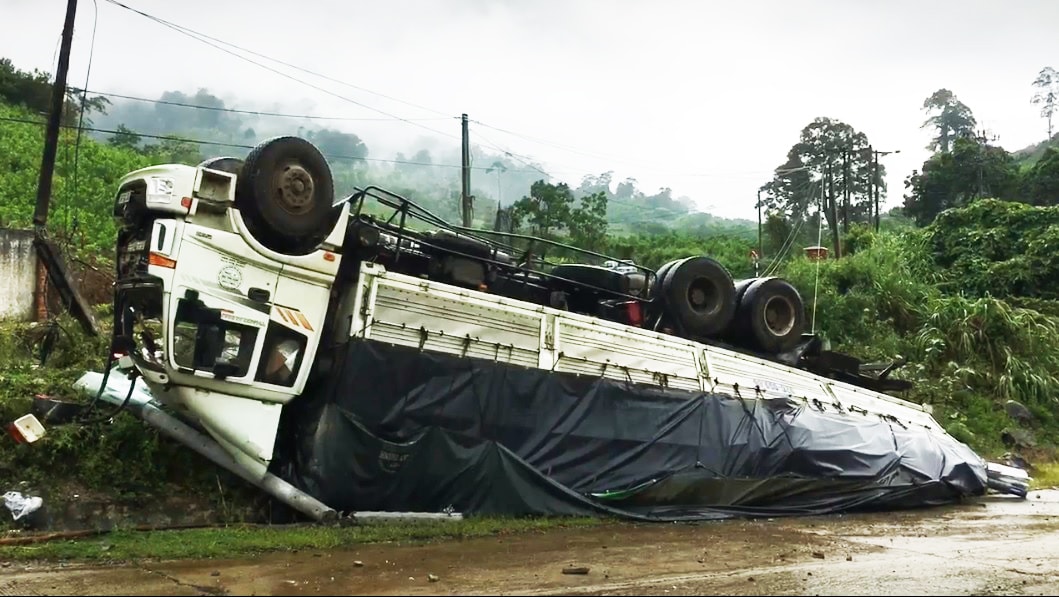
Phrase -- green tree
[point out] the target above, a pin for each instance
(125, 137)
(337, 143)
(546, 209)
(1047, 84)
(22, 88)
(174, 150)
(831, 159)
(951, 118)
(76, 101)
(32, 90)
(82, 213)
(588, 222)
(953, 179)
(1042, 180)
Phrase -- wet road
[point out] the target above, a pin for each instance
(999, 545)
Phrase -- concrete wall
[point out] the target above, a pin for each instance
(18, 274)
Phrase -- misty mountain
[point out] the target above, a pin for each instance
(428, 175)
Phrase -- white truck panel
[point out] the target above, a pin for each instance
(408, 311)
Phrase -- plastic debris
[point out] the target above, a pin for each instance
(20, 505)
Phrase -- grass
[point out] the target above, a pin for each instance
(240, 540)
(1046, 475)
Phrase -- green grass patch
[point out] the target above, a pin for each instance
(1045, 476)
(246, 540)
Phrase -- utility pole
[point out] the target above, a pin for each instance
(983, 139)
(51, 134)
(845, 191)
(48, 254)
(832, 207)
(875, 181)
(466, 201)
(760, 247)
(871, 182)
(875, 178)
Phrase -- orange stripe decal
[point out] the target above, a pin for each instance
(305, 322)
(282, 314)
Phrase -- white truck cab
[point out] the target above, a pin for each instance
(221, 326)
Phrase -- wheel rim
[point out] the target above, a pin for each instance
(294, 189)
(704, 296)
(778, 315)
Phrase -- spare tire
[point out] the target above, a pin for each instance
(698, 292)
(286, 195)
(771, 315)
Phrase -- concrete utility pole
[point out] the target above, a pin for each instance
(51, 133)
(875, 178)
(875, 183)
(845, 191)
(466, 201)
(760, 248)
(983, 138)
(833, 209)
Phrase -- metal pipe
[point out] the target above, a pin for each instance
(206, 446)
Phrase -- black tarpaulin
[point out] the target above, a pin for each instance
(394, 428)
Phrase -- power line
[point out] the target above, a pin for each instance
(251, 112)
(515, 155)
(205, 39)
(625, 160)
(202, 37)
(208, 40)
(81, 114)
(240, 145)
(278, 61)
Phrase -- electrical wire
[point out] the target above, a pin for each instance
(244, 146)
(788, 243)
(276, 60)
(81, 116)
(207, 40)
(250, 112)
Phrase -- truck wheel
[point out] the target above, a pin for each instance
(771, 312)
(224, 164)
(660, 276)
(286, 194)
(700, 294)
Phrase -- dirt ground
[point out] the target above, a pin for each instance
(998, 545)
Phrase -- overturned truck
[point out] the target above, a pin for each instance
(365, 354)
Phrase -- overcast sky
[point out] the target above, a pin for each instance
(703, 96)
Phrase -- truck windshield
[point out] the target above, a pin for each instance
(204, 341)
